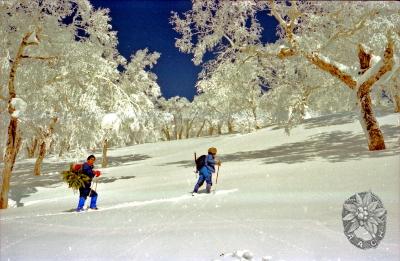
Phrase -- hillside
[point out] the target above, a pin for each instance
(277, 195)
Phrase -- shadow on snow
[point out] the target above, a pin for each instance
(23, 182)
(335, 146)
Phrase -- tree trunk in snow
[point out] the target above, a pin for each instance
(219, 129)
(370, 124)
(166, 133)
(180, 133)
(396, 103)
(31, 149)
(104, 161)
(13, 146)
(38, 164)
(14, 136)
(189, 125)
(46, 139)
(65, 146)
(210, 130)
(201, 129)
(231, 128)
(253, 110)
(368, 120)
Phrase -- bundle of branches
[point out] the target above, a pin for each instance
(74, 177)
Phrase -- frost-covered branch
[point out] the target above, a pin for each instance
(349, 32)
(375, 73)
(288, 27)
(331, 68)
(39, 57)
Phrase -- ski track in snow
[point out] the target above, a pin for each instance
(165, 226)
(130, 204)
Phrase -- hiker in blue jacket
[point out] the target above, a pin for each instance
(205, 172)
(86, 191)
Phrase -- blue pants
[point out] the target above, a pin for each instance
(93, 201)
(207, 177)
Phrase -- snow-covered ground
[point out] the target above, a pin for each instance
(279, 196)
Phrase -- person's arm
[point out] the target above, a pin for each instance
(210, 163)
(87, 169)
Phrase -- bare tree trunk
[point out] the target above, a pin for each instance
(231, 128)
(104, 161)
(14, 137)
(64, 147)
(368, 120)
(46, 139)
(219, 129)
(180, 133)
(175, 128)
(210, 130)
(13, 146)
(166, 133)
(201, 129)
(253, 110)
(189, 125)
(396, 103)
(31, 149)
(38, 164)
(370, 124)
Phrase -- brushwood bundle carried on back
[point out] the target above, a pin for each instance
(74, 177)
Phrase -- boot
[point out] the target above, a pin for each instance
(93, 201)
(208, 188)
(81, 203)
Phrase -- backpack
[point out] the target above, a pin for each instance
(200, 162)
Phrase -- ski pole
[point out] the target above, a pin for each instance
(95, 187)
(216, 180)
(195, 165)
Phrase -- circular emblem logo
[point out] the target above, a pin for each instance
(364, 220)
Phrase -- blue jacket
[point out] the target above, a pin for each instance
(88, 171)
(209, 166)
(85, 190)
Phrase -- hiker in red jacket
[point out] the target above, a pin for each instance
(86, 190)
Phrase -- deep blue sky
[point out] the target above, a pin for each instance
(145, 24)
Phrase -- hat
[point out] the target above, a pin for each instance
(212, 150)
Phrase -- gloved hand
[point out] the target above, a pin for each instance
(97, 173)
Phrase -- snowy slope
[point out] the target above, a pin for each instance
(277, 195)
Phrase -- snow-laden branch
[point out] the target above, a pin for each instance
(381, 67)
(39, 57)
(335, 69)
(19, 107)
(288, 27)
(349, 32)
(120, 90)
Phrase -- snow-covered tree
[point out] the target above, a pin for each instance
(236, 87)
(179, 108)
(58, 54)
(337, 39)
(366, 29)
(23, 23)
(141, 88)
